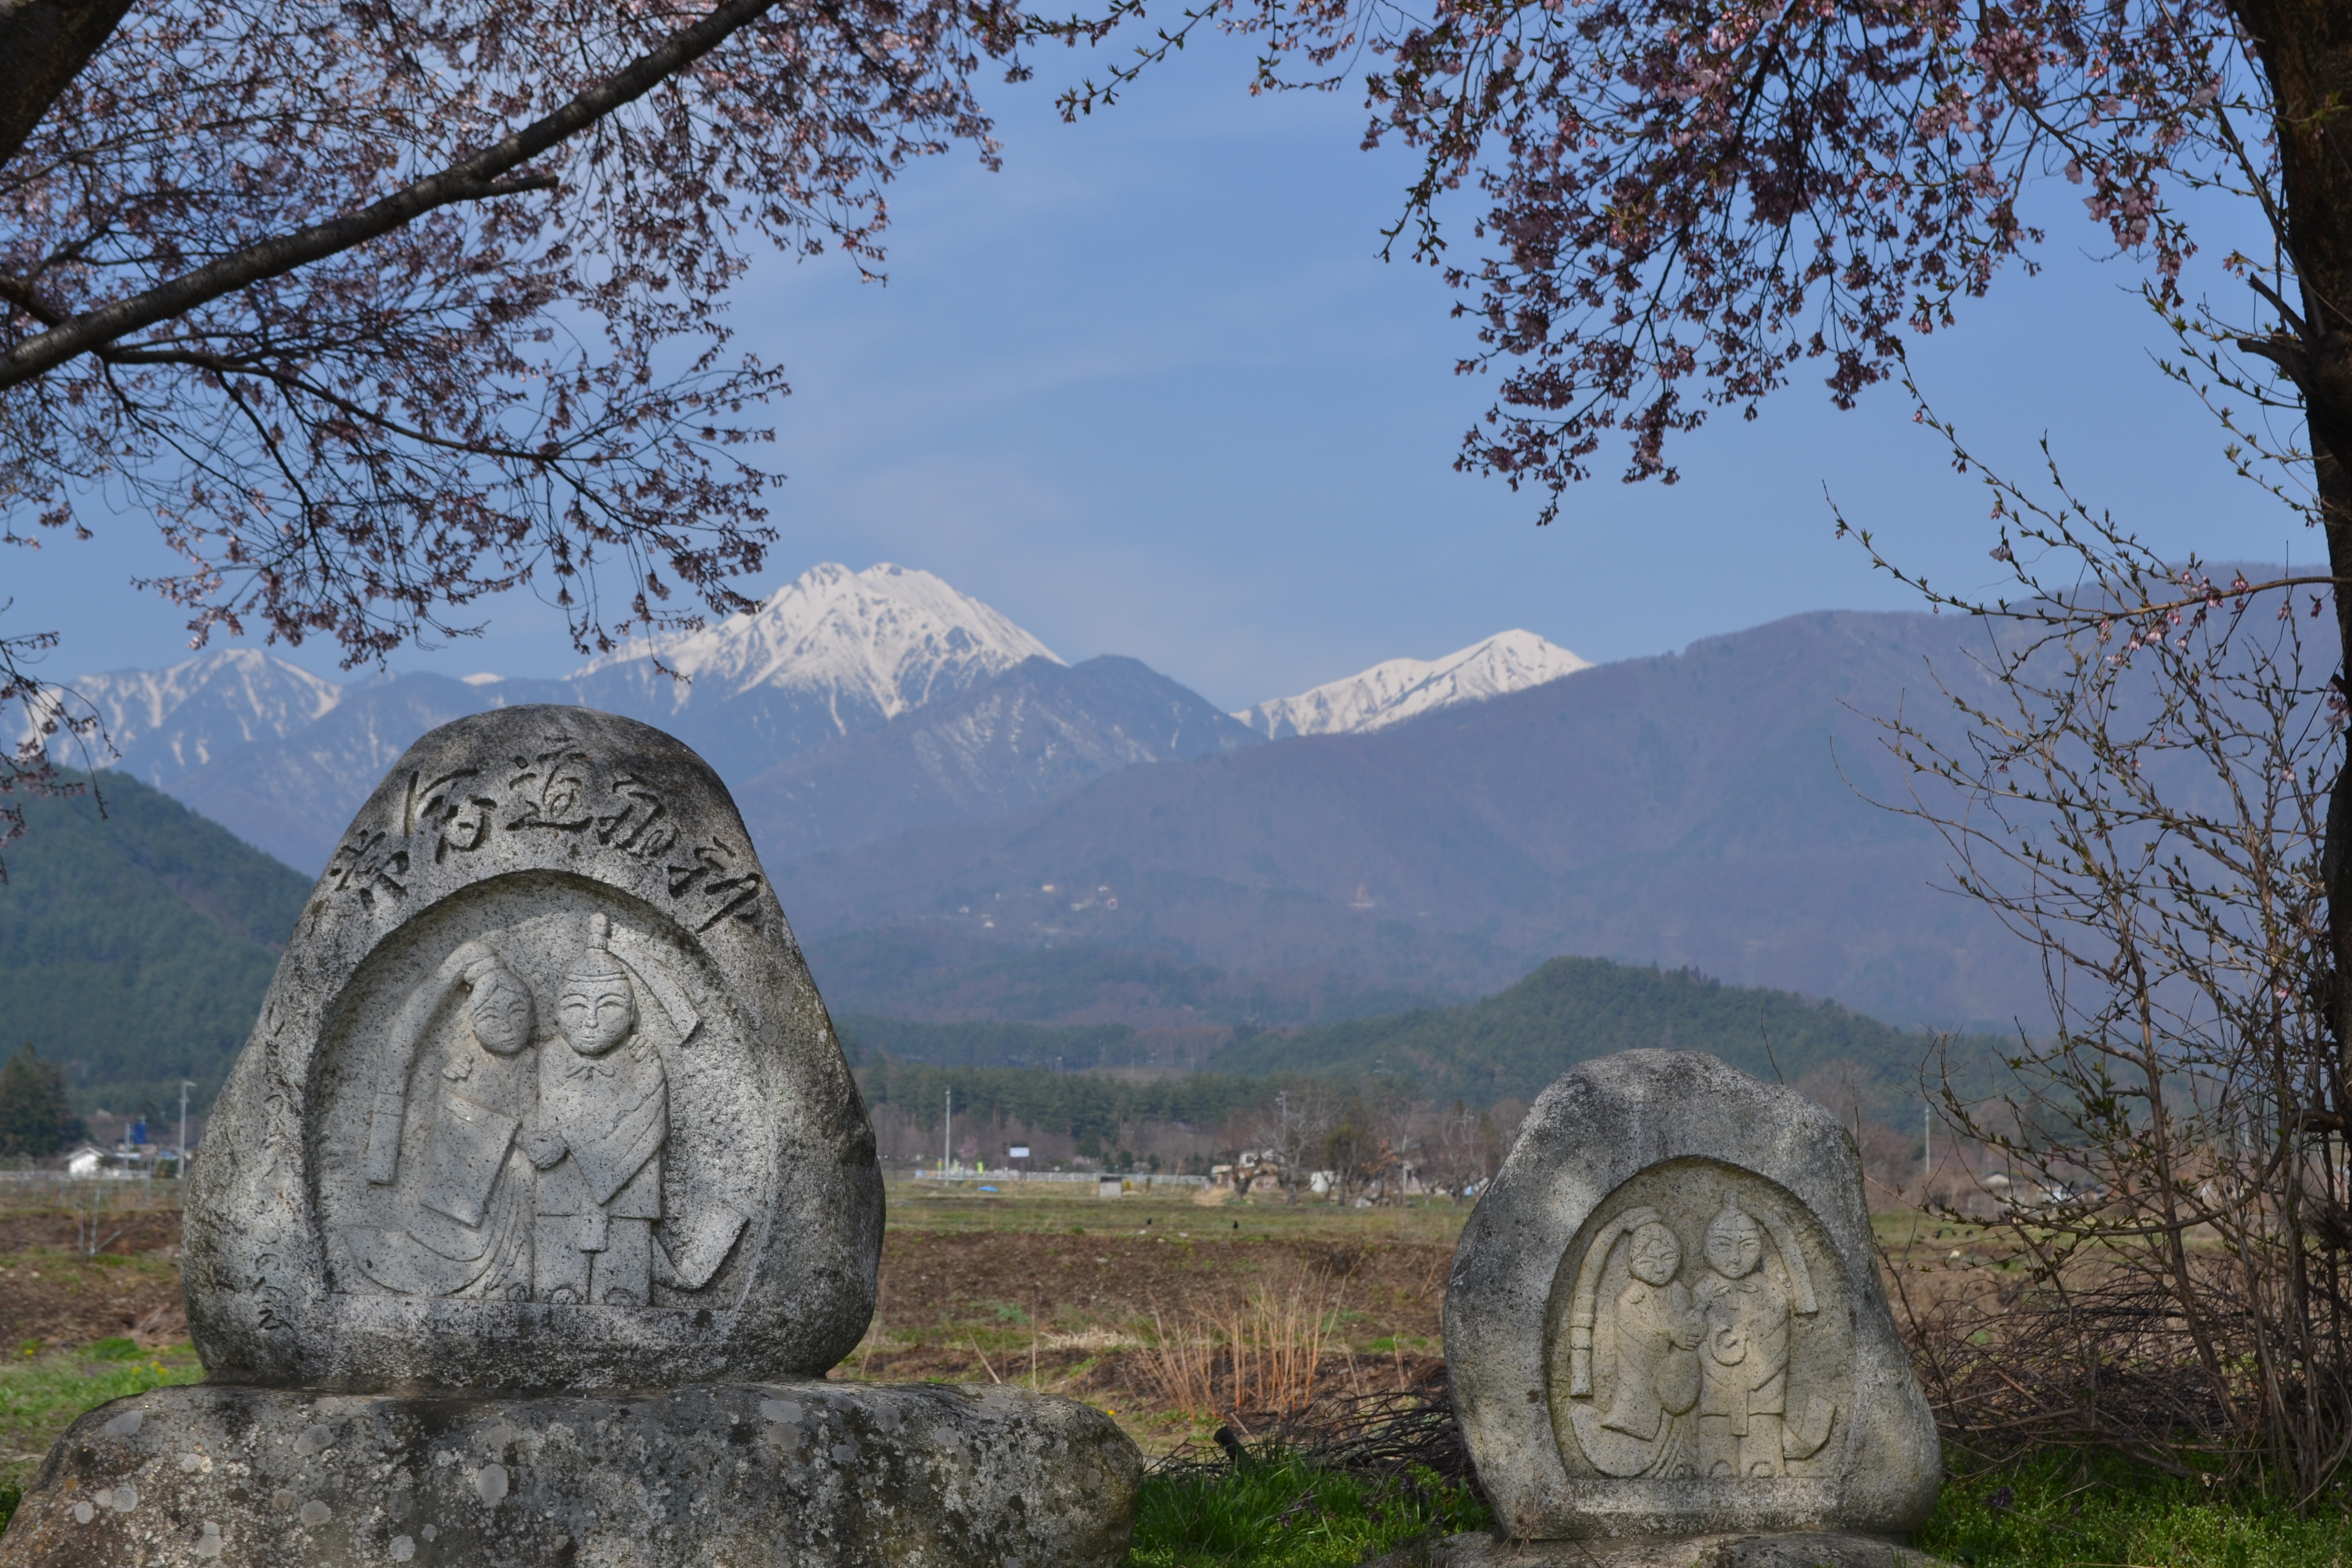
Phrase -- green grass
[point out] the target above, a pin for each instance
(2055, 1512)
(41, 1394)
(2060, 1512)
(1283, 1512)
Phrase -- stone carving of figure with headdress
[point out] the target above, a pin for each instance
(1658, 1334)
(1744, 1429)
(1646, 1339)
(603, 1115)
(1744, 1385)
(467, 1192)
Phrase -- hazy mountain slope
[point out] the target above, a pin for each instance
(163, 723)
(1401, 689)
(136, 946)
(1698, 808)
(1573, 1009)
(1035, 732)
(294, 797)
(929, 974)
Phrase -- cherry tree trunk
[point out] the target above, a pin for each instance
(2305, 47)
(44, 44)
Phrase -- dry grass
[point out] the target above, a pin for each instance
(1258, 1358)
(1175, 1316)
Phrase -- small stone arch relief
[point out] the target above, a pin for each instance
(1700, 1326)
(535, 1093)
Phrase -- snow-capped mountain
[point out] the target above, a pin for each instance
(886, 638)
(283, 758)
(1402, 687)
(166, 723)
(831, 653)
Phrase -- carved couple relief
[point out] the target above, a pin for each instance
(1697, 1349)
(507, 1161)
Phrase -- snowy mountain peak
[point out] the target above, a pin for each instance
(163, 722)
(887, 636)
(1403, 688)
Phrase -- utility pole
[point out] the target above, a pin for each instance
(947, 1134)
(185, 1086)
(1927, 1150)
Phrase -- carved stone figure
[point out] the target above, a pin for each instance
(1653, 1333)
(1744, 1384)
(1665, 1319)
(541, 1095)
(603, 1115)
(468, 1221)
(532, 1217)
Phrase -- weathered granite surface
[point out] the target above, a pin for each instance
(811, 1474)
(1665, 1319)
(542, 1096)
(1811, 1549)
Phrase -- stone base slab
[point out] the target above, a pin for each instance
(821, 1474)
(1807, 1548)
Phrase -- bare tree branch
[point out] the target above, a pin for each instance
(471, 179)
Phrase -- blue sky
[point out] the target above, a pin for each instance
(1149, 391)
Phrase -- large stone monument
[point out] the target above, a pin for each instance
(1666, 1334)
(534, 1212)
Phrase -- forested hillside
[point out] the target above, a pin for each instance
(1573, 1009)
(136, 940)
(1509, 1045)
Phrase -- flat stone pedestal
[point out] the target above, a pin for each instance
(1806, 1549)
(717, 1474)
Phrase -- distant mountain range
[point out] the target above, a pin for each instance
(1710, 808)
(852, 707)
(137, 939)
(283, 758)
(1032, 734)
(941, 800)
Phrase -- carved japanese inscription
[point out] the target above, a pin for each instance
(1699, 1330)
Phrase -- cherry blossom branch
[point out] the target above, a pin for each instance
(477, 178)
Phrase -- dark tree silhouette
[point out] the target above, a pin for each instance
(35, 1117)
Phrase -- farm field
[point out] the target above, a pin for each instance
(1134, 1305)
(1101, 1299)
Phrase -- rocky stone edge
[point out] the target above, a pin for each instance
(817, 1473)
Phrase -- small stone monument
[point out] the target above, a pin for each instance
(534, 1212)
(1667, 1335)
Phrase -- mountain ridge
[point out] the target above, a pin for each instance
(1034, 734)
(137, 939)
(1700, 808)
(1400, 688)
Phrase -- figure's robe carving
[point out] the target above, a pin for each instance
(604, 1115)
(468, 1192)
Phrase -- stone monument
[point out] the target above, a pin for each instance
(1667, 1338)
(532, 1216)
